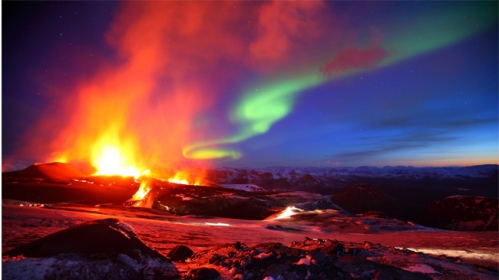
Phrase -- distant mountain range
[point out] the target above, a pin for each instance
(444, 197)
(398, 192)
(388, 172)
(323, 179)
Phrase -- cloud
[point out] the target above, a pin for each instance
(354, 57)
(282, 27)
(168, 58)
(436, 120)
(411, 139)
(382, 149)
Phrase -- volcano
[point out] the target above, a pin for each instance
(56, 172)
(75, 221)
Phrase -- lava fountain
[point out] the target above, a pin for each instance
(114, 161)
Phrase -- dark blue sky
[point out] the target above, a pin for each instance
(251, 84)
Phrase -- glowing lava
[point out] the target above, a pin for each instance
(182, 177)
(143, 190)
(143, 197)
(111, 161)
(178, 181)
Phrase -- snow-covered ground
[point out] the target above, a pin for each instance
(47, 209)
(163, 231)
(243, 187)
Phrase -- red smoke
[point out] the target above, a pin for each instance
(353, 57)
(286, 28)
(173, 62)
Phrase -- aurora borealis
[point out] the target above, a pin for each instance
(301, 83)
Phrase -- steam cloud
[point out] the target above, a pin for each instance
(175, 61)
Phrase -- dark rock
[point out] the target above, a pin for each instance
(375, 214)
(236, 264)
(362, 198)
(204, 273)
(367, 245)
(386, 272)
(274, 270)
(466, 213)
(180, 253)
(72, 266)
(214, 258)
(354, 265)
(102, 249)
(334, 249)
(319, 256)
(100, 236)
(312, 259)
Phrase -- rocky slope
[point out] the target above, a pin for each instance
(462, 213)
(119, 254)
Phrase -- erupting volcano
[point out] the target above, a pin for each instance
(113, 162)
(250, 140)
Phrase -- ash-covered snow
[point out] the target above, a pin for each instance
(243, 249)
(106, 248)
(341, 244)
(330, 259)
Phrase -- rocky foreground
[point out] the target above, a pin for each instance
(83, 228)
(110, 249)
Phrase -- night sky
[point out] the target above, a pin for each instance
(252, 84)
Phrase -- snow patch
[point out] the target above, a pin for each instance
(243, 187)
(423, 268)
(303, 261)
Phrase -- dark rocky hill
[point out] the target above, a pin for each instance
(361, 198)
(53, 172)
(467, 213)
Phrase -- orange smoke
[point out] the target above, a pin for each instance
(138, 111)
(286, 28)
(172, 61)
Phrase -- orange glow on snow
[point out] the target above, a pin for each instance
(290, 211)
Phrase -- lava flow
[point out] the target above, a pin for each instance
(115, 161)
(183, 177)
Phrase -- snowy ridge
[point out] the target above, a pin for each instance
(243, 187)
(314, 177)
(459, 212)
(402, 172)
(339, 247)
